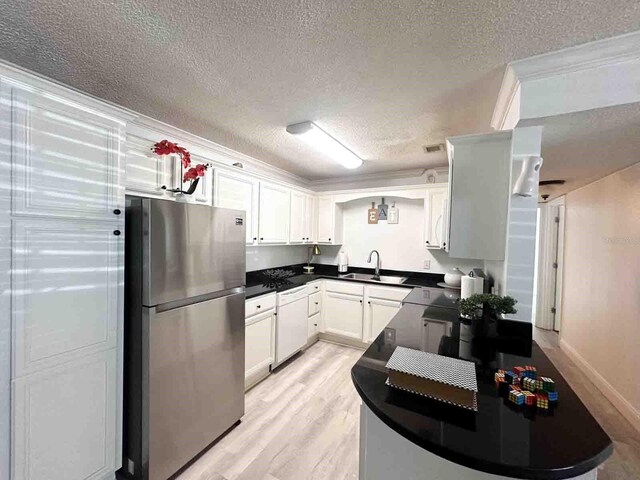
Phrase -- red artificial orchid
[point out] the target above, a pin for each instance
(195, 172)
(165, 147)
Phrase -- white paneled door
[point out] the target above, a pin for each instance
(65, 161)
(274, 214)
(240, 193)
(297, 225)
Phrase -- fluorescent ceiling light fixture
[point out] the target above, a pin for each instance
(325, 143)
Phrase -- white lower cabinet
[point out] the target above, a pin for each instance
(379, 313)
(314, 325)
(260, 329)
(343, 314)
(65, 421)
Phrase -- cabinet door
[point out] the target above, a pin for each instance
(311, 220)
(259, 343)
(343, 315)
(240, 193)
(65, 421)
(297, 225)
(380, 313)
(314, 325)
(67, 300)
(274, 213)
(145, 172)
(325, 220)
(65, 161)
(435, 218)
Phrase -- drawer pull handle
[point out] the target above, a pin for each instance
(116, 232)
(117, 211)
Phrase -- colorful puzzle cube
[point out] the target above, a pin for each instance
(539, 385)
(529, 384)
(516, 396)
(517, 388)
(547, 384)
(530, 372)
(499, 377)
(518, 371)
(529, 398)
(542, 401)
(511, 377)
(552, 396)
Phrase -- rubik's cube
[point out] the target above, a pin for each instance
(516, 396)
(547, 384)
(542, 401)
(511, 378)
(529, 398)
(518, 371)
(553, 396)
(499, 377)
(529, 384)
(530, 372)
(517, 388)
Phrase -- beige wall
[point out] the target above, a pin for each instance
(601, 298)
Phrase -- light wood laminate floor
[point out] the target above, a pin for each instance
(303, 422)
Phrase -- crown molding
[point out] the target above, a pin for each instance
(48, 87)
(588, 56)
(148, 127)
(393, 175)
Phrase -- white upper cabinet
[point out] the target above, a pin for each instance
(65, 161)
(329, 221)
(311, 219)
(479, 190)
(297, 223)
(274, 214)
(239, 192)
(145, 172)
(435, 208)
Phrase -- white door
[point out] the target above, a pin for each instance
(325, 220)
(259, 342)
(65, 421)
(66, 162)
(311, 220)
(240, 193)
(67, 298)
(380, 313)
(435, 218)
(297, 225)
(274, 214)
(343, 314)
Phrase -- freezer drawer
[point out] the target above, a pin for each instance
(189, 250)
(196, 379)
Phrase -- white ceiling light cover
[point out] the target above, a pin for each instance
(326, 144)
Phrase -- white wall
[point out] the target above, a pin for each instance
(401, 246)
(259, 258)
(601, 286)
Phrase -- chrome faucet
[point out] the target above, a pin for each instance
(376, 274)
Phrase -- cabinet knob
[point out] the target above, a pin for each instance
(360, 301)
(315, 324)
(255, 238)
(427, 241)
(116, 232)
(257, 306)
(117, 211)
(369, 303)
(329, 239)
(261, 238)
(316, 303)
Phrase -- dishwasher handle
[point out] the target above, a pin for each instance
(292, 295)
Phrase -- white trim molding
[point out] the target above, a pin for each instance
(592, 75)
(608, 390)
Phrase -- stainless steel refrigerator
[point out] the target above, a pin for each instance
(184, 332)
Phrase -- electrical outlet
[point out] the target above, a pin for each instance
(427, 264)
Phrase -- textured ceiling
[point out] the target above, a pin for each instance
(384, 77)
(586, 146)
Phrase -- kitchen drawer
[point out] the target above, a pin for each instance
(348, 287)
(314, 325)
(314, 287)
(388, 293)
(315, 303)
(259, 304)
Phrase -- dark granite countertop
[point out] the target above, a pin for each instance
(258, 284)
(499, 438)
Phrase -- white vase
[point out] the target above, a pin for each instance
(453, 277)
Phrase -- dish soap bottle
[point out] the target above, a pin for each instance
(393, 214)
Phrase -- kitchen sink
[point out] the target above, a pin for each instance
(369, 278)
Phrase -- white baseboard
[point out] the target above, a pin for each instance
(618, 401)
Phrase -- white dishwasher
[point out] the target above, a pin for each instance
(291, 323)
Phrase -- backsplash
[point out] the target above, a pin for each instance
(262, 257)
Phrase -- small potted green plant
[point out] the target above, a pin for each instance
(486, 306)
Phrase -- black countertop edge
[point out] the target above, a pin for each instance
(476, 464)
(258, 284)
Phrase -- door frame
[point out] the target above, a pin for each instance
(550, 250)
